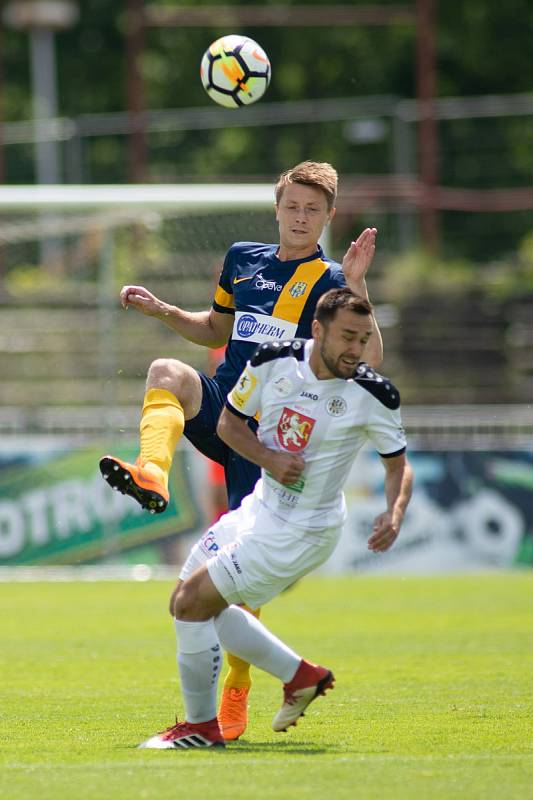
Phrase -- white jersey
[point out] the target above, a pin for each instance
(326, 421)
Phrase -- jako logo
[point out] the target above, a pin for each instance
(236, 564)
(309, 395)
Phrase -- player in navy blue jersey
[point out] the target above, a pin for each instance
(266, 292)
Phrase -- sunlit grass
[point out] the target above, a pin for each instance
(433, 697)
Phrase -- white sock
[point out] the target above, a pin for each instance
(199, 662)
(243, 635)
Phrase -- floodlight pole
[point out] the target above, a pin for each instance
(41, 20)
(43, 78)
(2, 162)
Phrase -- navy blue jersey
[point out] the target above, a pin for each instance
(270, 299)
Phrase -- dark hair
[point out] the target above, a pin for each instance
(336, 299)
(319, 174)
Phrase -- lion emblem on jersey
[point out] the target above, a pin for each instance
(294, 429)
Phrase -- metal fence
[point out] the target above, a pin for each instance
(484, 205)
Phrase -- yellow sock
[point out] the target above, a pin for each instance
(162, 424)
(238, 676)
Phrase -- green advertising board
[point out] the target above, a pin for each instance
(55, 508)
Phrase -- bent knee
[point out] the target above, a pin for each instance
(180, 379)
(163, 369)
(172, 601)
(184, 602)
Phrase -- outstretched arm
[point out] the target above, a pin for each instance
(355, 264)
(208, 328)
(398, 489)
(285, 468)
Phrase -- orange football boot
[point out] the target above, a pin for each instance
(144, 483)
(233, 712)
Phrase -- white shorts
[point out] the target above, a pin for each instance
(252, 556)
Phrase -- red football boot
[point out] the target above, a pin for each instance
(309, 682)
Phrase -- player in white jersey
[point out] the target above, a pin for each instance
(318, 406)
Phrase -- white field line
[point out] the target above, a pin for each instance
(92, 573)
(260, 758)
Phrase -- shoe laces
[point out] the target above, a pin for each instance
(188, 728)
(174, 730)
(288, 696)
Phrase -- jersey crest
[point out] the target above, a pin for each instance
(298, 289)
(294, 429)
(336, 406)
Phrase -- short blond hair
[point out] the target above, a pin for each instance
(311, 173)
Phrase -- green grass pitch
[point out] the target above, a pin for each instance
(433, 697)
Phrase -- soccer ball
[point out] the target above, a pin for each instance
(235, 71)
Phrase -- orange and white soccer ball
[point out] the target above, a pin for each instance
(235, 71)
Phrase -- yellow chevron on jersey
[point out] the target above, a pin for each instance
(270, 300)
(296, 291)
(224, 299)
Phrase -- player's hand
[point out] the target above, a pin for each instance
(384, 533)
(285, 468)
(358, 258)
(141, 299)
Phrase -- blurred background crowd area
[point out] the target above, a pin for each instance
(426, 110)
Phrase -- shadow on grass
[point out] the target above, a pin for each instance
(292, 747)
(244, 746)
